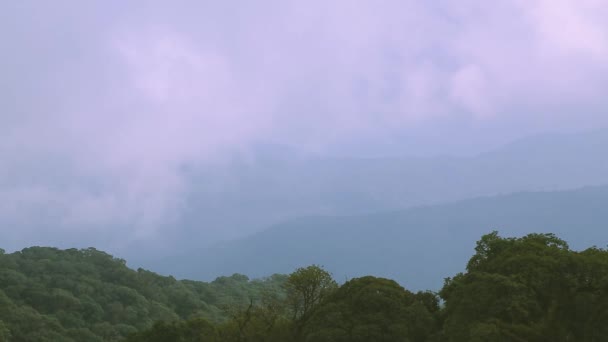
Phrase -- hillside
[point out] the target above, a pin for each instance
(240, 196)
(47, 294)
(533, 288)
(248, 194)
(529, 288)
(417, 247)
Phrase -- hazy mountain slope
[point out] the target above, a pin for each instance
(417, 247)
(232, 200)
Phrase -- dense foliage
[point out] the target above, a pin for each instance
(528, 289)
(533, 288)
(47, 294)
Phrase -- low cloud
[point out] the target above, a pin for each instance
(102, 107)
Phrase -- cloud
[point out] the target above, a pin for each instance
(469, 88)
(101, 107)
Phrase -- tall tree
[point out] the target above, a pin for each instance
(370, 309)
(306, 287)
(532, 288)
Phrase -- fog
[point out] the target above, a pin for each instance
(135, 124)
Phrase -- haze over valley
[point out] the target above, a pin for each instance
(304, 171)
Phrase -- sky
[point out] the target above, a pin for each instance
(102, 104)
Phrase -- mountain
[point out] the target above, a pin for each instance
(418, 247)
(248, 194)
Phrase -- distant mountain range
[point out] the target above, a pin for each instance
(418, 247)
(247, 195)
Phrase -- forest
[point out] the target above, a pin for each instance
(530, 288)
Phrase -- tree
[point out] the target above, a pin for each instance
(532, 288)
(5, 333)
(196, 330)
(306, 287)
(370, 309)
(88, 295)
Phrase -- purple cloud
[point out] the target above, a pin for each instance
(117, 97)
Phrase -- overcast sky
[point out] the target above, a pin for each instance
(102, 103)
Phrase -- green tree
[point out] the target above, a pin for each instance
(73, 295)
(532, 288)
(306, 287)
(370, 309)
(5, 333)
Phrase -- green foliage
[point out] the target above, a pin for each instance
(5, 333)
(306, 288)
(261, 321)
(47, 294)
(196, 330)
(532, 288)
(370, 309)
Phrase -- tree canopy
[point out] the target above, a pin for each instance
(47, 294)
(531, 288)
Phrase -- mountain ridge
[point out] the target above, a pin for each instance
(375, 243)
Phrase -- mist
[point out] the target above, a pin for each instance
(117, 120)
